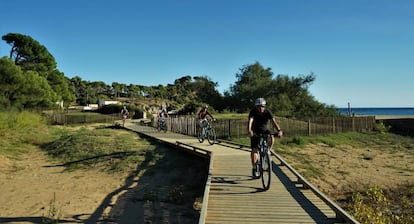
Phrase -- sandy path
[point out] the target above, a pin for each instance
(28, 186)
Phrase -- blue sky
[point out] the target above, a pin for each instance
(361, 51)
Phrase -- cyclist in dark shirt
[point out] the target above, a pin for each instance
(257, 124)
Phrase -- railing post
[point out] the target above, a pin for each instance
(229, 134)
(309, 127)
(353, 123)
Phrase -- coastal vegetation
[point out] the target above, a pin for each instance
(30, 79)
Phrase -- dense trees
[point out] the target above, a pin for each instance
(29, 79)
(286, 96)
(23, 89)
(34, 72)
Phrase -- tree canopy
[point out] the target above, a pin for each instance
(23, 89)
(285, 96)
(29, 54)
(36, 65)
(29, 78)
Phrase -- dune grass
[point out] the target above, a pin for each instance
(21, 132)
(106, 148)
(70, 146)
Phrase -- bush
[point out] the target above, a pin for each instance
(20, 120)
(111, 109)
(381, 128)
(298, 140)
(373, 207)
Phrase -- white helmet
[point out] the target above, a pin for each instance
(260, 102)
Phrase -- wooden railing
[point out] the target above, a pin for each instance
(236, 128)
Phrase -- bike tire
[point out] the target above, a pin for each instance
(265, 169)
(211, 136)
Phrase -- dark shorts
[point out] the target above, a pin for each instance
(254, 141)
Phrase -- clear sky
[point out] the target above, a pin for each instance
(361, 51)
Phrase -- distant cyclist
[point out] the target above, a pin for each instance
(124, 114)
(257, 124)
(202, 116)
(162, 114)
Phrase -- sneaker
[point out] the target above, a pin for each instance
(255, 173)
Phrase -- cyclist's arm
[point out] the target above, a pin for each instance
(277, 127)
(250, 126)
(209, 114)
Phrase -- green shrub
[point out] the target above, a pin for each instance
(111, 109)
(20, 120)
(298, 140)
(371, 207)
(381, 128)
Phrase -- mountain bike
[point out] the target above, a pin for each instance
(162, 125)
(206, 130)
(264, 164)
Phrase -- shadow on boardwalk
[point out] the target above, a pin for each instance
(162, 189)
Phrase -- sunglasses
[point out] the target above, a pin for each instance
(260, 106)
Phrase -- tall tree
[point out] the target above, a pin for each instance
(29, 54)
(206, 92)
(116, 87)
(253, 81)
(285, 96)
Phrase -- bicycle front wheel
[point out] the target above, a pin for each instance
(266, 169)
(211, 136)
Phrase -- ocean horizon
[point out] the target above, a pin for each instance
(394, 111)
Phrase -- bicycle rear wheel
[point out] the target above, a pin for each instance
(211, 136)
(266, 169)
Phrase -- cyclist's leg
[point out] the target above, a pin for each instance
(270, 139)
(200, 125)
(254, 154)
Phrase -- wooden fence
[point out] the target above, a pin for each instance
(81, 118)
(233, 128)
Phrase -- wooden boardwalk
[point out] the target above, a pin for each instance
(232, 196)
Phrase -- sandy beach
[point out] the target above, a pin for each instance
(388, 117)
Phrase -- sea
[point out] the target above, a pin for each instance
(397, 111)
